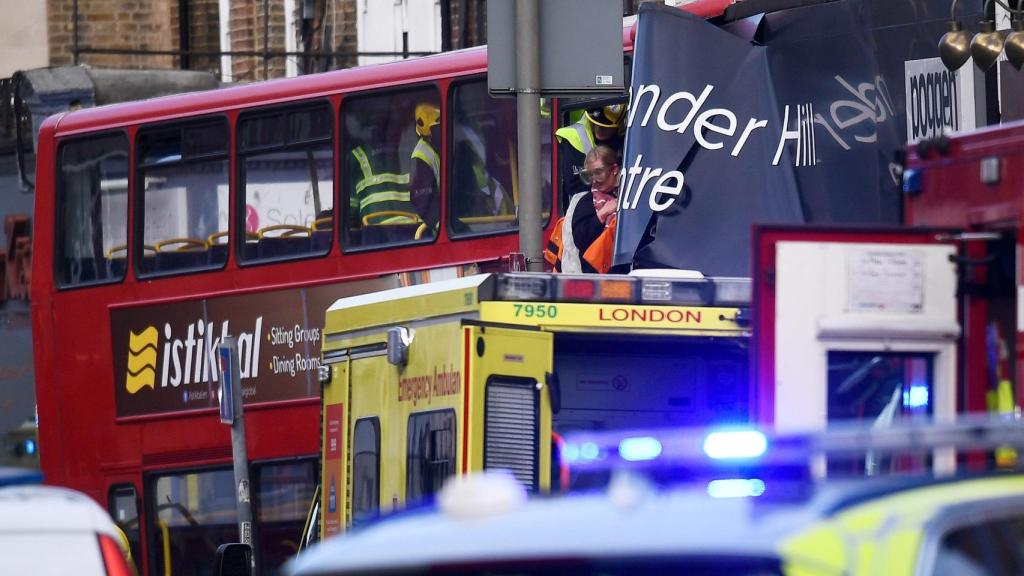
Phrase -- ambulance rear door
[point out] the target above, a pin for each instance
(507, 401)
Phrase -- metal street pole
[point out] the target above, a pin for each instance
(528, 114)
(231, 413)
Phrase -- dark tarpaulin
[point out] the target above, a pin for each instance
(801, 124)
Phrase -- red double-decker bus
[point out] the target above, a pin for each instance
(163, 226)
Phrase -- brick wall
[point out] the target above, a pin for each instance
(476, 13)
(118, 24)
(248, 34)
(154, 25)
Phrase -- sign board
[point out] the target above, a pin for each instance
(580, 47)
(227, 359)
(940, 101)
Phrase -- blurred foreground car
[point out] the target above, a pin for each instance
(46, 530)
(738, 524)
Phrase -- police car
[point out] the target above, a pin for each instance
(775, 523)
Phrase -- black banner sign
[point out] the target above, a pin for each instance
(793, 116)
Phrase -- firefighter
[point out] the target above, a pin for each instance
(425, 174)
(381, 194)
(601, 125)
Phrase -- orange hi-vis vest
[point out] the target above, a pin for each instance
(561, 252)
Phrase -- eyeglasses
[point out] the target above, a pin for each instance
(599, 173)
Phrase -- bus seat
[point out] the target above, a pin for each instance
(279, 240)
(116, 267)
(218, 248)
(277, 246)
(117, 261)
(217, 254)
(389, 233)
(321, 241)
(181, 253)
(181, 260)
(322, 230)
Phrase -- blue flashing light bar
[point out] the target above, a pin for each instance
(767, 455)
(735, 444)
(639, 449)
(736, 488)
(916, 396)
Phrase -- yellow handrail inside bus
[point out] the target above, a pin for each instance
(413, 218)
(500, 218)
(326, 223)
(214, 239)
(166, 535)
(187, 244)
(497, 219)
(115, 250)
(289, 231)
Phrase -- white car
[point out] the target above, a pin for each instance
(46, 530)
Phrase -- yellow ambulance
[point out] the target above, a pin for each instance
(486, 372)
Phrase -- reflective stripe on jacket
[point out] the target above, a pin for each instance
(383, 192)
(425, 151)
(579, 135)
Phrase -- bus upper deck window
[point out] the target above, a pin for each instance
(484, 192)
(182, 197)
(287, 173)
(392, 164)
(92, 213)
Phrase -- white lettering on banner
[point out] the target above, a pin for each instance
(803, 135)
(717, 129)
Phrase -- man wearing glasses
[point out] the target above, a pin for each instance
(581, 243)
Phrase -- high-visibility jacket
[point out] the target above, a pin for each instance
(493, 199)
(561, 252)
(424, 151)
(580, 135)
(599, 253)
(425, 183)
(382, 192)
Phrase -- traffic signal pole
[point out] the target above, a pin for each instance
(528, 115)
